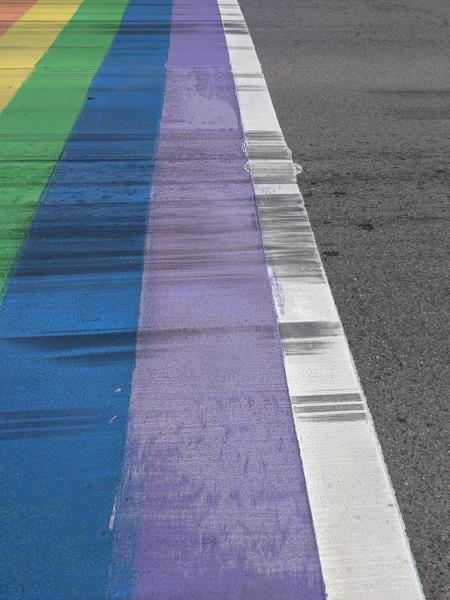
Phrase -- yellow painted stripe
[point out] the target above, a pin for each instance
(24, 44)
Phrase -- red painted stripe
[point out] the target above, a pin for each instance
(10, 12)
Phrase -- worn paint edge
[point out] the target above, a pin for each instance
(363, 546)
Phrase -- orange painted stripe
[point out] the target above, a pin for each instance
(10, 12)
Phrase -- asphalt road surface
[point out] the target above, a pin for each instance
(362, 91)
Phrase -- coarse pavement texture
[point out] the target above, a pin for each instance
(362, 92)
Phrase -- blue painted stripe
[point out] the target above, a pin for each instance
(68, 328)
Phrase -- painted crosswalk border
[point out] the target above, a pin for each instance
(363, 548)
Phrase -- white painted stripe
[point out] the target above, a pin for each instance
(363, 547)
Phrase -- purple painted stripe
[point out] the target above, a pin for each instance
(213, 503)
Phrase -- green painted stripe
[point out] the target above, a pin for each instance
(36, 123)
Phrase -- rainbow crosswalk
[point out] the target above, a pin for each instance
(168, 340)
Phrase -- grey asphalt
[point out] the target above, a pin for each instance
(362, 92)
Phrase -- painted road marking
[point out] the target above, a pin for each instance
(10, 12)
(362, 543)
(36, 123)
(213, 503)
(24, 44)
(69, 318)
